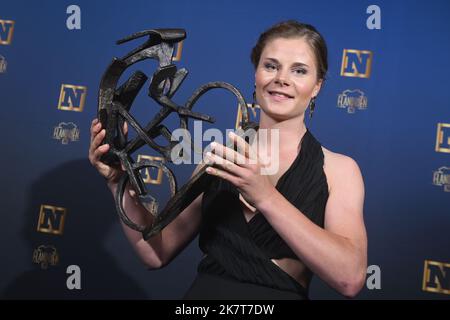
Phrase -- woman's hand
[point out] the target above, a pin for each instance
(96, 151)
(244, 169)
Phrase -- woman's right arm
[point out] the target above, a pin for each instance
(159, 250)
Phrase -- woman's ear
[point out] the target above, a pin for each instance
(317, 88)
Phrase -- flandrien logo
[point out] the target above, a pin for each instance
(441, 178)
(45, 256)
(66, 132)
(352, 100)
(262, 146)
(3, 64)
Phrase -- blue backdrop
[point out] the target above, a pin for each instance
(400, 139)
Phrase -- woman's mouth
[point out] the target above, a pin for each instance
(279, 96)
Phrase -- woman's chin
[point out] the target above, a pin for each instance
(277, 116)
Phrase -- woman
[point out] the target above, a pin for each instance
(263, 236)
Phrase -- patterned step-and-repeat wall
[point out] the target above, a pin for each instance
(385, 103)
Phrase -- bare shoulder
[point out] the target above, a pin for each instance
(340, 168)
(334, 159)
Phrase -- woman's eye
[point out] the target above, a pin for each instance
(300, 71)
(270, 66)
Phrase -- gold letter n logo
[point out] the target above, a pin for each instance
(51, 219)
(6, 31)
(436, 277)
(356, 63)
(72, 98)
(443, 138)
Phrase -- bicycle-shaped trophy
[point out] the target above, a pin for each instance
(114, 104)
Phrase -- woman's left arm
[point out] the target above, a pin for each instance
(336, 253)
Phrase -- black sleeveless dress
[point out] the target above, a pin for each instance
(237, 262)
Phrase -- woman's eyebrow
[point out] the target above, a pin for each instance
(300, 64)
(273, 60)
(295, 64)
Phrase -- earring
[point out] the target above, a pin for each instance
(254, 98)
(312, 106)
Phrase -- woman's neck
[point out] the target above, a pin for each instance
(289, 131)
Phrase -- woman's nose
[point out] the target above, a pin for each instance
(282, 78)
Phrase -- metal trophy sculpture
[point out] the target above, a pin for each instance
(114, 104)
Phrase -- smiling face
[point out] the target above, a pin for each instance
(286, 78)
